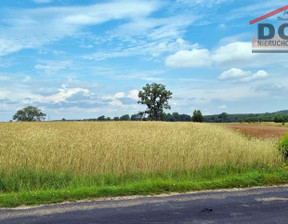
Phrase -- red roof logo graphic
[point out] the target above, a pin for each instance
(268, 15)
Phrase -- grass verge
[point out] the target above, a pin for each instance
(149, 186)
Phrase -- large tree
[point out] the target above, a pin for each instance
(29, 114)
(197, 116)
(156, 97)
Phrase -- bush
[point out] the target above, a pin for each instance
(283, 146)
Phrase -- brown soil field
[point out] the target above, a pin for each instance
(262, 130)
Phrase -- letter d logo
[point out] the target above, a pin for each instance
(261, 31)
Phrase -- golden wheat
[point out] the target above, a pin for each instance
(127, 147)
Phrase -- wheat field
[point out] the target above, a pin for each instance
(91, 148)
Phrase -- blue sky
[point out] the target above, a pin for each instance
(83, 59)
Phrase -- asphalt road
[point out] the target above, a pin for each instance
(256, 205)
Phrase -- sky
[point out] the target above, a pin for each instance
(83, 59)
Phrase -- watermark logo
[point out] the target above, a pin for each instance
(271, 39)
(284, 17)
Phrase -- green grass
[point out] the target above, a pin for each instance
(44, 188)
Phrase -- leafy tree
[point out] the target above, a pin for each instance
(176, 116)
(137, 117)
(101, 118)
(197, 116)
(223, 116)
(134, 117)
(169, 117)
(155, 97)
(278, 118)
(185, 117)
(125, 117)
(29, 114)
(116, 119)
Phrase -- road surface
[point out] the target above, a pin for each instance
(256, 205)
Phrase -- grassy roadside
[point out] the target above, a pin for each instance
(147, 186)
(43, 163)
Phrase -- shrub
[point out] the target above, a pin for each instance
(283, 146)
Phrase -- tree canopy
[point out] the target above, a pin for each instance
(155, 97)
(125, 117)
(29, 114)
(197, 116)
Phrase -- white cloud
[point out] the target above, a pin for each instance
(240, 37)
(8, 46)
(239, 54)
(236, 74)
(4, 77)
(256, 9)
(133, 94)
(222, 107)
(4, 94)
(120, 95)
(155, 28)
(236, 54)
(258, 75)
(52, 67)
(138, 32)
(115, 102)
(33, 28)
(189, 59)
(204, 3)
(81, 96)
(233, 73)
(42, 1)
(222, 26)
(216, 93)
(152, 48)
(104, 12)
(63, 94)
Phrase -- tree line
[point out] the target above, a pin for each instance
(155, 97)
(174, 117)
(278, 117)
(35, 114)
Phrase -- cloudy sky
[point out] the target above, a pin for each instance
(82, 59)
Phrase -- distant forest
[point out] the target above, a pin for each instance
(278, 117)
